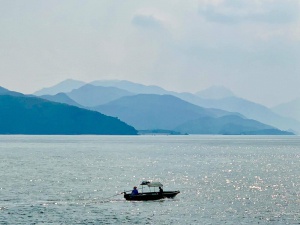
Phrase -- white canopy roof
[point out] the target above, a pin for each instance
(154, 184)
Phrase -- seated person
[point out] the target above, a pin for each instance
(134, 191)
(161, 191)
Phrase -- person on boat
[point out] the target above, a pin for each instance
(161, 191)
(135, 191)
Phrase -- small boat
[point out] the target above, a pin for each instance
(152, 195)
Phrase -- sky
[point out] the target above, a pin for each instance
(251, 47)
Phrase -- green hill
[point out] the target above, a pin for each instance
(31, 115)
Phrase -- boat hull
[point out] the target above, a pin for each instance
(148, 196)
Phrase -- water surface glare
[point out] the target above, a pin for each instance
(222, 179)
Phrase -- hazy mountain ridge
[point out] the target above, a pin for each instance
(167, 112)
(149, 111)
(64, 86)
(90, 95)
(131, 86)
(289, 109)
(246, 108)
(32, 115)
(61, 98)
(251, 110)
(217, 97)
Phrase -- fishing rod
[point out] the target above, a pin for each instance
(115, 195)
(124, 192)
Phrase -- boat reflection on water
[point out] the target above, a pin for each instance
(152, 195)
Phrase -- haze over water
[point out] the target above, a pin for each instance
(77, 179)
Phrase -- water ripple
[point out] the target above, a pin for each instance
(78, 180)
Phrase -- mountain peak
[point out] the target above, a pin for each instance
(64, 86)
(130, 86)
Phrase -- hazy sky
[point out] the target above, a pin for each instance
(249, 46)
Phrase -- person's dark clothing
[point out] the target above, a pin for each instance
(161, 191)
(134, 192)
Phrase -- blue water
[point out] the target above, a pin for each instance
(77, 179)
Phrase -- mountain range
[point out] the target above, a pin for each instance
(249, 109)
(65, 86)
(213, 111)
(89, 95)
(166, 112)
(151, 111)
(21, 114)
(215, 97)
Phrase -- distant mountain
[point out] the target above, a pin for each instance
(247, 108)
(90, 95)
(31, 115)
(215, 92)
(217, 97)
(131, 86)
(212, 99)
(228, 125)
(149, 112)
(166, 112)
(64, 86)
(289, 109)
(61, 98)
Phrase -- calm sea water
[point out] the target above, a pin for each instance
(222, 179)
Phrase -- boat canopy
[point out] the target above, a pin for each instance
(152, 184)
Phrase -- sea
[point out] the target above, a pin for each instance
(79, 179)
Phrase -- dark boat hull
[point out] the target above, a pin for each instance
(148, 196)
